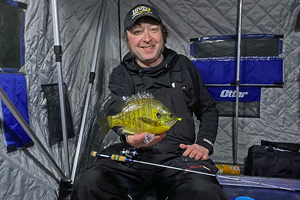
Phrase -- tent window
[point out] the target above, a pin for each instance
(11, 36)
(227, 48)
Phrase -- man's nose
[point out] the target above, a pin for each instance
(147, 36)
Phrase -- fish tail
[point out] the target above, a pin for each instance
(104, 124)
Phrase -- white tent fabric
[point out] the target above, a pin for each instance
(23, 178)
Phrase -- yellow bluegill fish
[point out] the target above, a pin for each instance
(141, 113)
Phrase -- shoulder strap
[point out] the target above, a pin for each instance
(133, 80)
(176, 73)
(138, 82)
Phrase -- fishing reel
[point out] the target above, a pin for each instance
(130, 153)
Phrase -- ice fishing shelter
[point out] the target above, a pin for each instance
(28, 174)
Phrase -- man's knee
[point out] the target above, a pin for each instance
(201, 188)
(98, 184)
(209, 190)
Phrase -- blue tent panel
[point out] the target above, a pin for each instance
(252, 71)
(15, 88)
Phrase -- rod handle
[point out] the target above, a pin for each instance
(113, 156)
(118, 157)
(94, 153)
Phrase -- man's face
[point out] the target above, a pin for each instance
(145, 41)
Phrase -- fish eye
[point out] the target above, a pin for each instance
(170, 115)
(158, 115)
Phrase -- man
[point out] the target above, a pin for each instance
(175, 81)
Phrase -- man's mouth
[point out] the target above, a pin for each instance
(148, 47)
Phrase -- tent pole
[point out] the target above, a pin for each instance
(120, 34)
(30, 132)
(58, 53)
(88, 95)
(235, 135)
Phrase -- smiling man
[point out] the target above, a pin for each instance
(171, 78)
(146, 43)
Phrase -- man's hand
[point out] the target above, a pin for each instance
(195, 151)
(138, 140)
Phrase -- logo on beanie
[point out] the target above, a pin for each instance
(139, 10)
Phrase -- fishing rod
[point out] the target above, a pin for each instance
(120, 158)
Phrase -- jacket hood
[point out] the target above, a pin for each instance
(130, 64)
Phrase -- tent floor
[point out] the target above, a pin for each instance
(260, 188)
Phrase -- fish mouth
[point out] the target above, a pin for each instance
(171, 123)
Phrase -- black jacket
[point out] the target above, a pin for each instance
(195, 93)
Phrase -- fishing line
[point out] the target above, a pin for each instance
(120, 158)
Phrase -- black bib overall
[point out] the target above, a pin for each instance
(171, 96)
(109, 179)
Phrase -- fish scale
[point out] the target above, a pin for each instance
(133, 111)
(141, 113)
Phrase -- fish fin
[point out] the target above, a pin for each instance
(143, 95)
(130, 133)
(104, 124)
(148, 137)
(127, 132)
(121, 131)
(148, 120)
(136, 97)
(125, 101)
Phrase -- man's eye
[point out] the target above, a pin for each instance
(137, 32)
(158, 115)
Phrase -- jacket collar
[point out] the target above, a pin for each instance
(129, 59)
